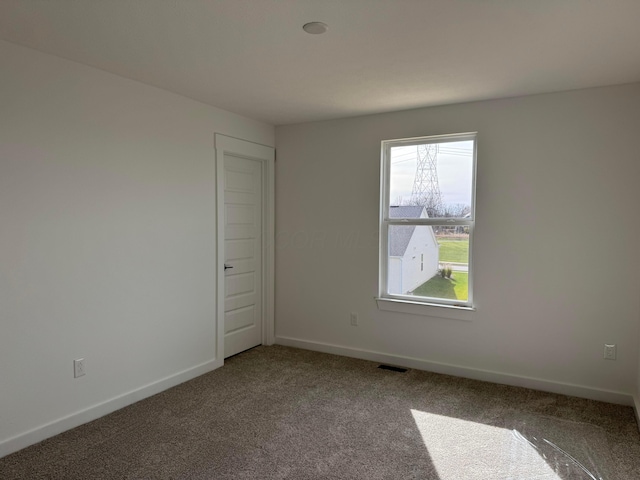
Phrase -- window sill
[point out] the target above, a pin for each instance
(425, 309)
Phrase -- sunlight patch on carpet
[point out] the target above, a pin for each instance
(470, 450)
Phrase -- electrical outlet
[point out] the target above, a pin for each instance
(609, 351)
(354, 319)
(78, 368)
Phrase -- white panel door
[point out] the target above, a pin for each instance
(242, 254)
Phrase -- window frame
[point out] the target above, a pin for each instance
(410, 303)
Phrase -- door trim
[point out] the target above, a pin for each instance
(266, 156)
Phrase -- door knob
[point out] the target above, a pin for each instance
(226, 267)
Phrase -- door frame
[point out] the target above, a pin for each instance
(266, 156)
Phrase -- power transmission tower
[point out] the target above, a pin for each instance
(426, 190)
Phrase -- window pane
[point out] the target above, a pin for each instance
(435, 176)
(429, 261)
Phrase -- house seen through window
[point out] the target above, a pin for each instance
(427, 219)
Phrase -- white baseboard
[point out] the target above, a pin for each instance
(609, 396)
(89, 414)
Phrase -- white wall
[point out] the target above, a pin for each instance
(557, 264)
(423, 242)
(107, 240)
(637, 393)
(395, 275)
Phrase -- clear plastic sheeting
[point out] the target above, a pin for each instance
(514, 446)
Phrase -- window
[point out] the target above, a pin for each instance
(428, 205)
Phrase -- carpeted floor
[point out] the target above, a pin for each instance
(283, 413)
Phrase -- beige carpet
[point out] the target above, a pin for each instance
(283, 413)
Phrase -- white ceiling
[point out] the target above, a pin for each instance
(253, 58)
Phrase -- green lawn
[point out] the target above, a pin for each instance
(456, 251)
(455, 288)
